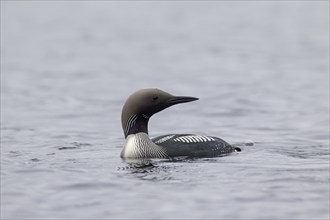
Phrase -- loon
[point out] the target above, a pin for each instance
(136, 112)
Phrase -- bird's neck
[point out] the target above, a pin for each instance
(136, 124)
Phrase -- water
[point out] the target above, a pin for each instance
(260, 69)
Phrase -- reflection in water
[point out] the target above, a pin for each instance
(147, 169)
(139, 165)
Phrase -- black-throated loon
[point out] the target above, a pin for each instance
(137, 110)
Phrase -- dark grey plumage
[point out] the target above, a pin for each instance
(138, 109)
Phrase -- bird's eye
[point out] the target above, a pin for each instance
(155, 97)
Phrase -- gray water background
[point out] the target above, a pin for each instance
(260, 69)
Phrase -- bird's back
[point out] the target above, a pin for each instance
(190, 145)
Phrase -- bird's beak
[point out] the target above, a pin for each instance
(180, 99)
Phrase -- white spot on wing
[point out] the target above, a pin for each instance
(193, 138)
(163, 139)
(182, 139)
(187, 139)
(203, 138)
(190, 139)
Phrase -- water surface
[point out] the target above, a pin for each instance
(260, 69)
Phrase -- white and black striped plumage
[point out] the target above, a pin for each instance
(190, 145)
(139, 145)
(174, 145)
(138, 109)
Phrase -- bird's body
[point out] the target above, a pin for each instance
(174, 145)
(137, 110)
